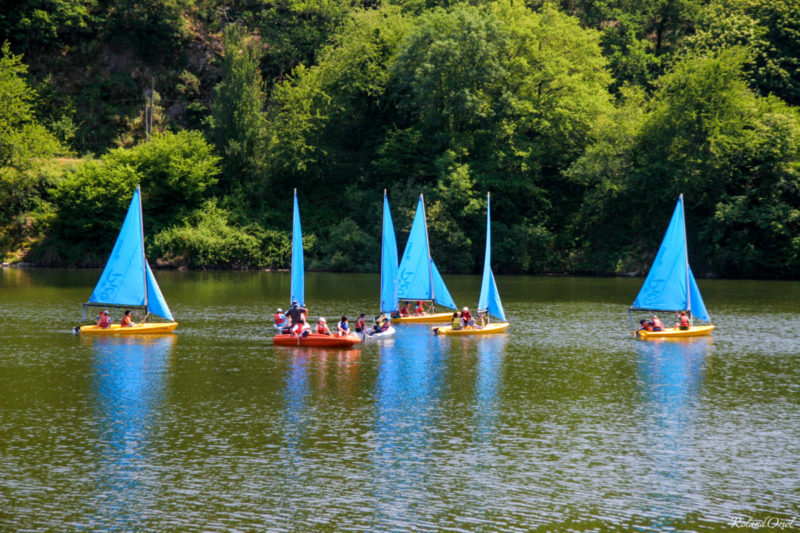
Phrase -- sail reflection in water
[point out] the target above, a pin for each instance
(491, 350)
(408, 392)
(128, 386)
(670, 372)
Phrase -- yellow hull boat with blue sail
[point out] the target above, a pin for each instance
(418, 279)
(488, 329)
(136, 329)
(489, 303)
(675, 333)
(670, 287)
(423, 319)
(127, 282)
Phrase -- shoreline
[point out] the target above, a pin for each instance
(706, 276)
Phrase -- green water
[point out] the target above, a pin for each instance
(565, 423)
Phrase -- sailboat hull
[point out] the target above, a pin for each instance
(675, 333)
(421, 319)
(136, 329)
(488, 329)
(316, 340)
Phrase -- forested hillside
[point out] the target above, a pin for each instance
(585, 120)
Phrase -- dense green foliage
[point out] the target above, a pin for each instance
(584, 119)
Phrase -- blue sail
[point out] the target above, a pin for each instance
(418, 277)
(440, 292)
(670, 285)
(489, 299)
(156, 304)
(698, 306)
(298, 275)
(389, 298)
(123, 279)
(414, 273)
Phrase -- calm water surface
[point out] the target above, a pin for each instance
(565, 423)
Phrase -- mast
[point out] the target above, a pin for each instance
(144, 256)
(686, 253)
(383, 231)
(428, 244)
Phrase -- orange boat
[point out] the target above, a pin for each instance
(316, 340)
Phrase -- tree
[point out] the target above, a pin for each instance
(176, 172)
(238, 127)
(22, 137)
(770, 30)
(733, 154)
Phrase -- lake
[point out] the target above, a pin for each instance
(565, 423)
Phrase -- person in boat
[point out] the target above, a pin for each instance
(419, 309)
(381, 325)
(376, 325)
(296, 312)
(683, 321)
(483, 318)
(404, 309)
(645, 325)
(300, 328)
(361, 323)
(343, 328)
(456, 322)
(127, 321)
(104, 320)
(466, 318)
(279, 318)
(322, 327)
(657, 324)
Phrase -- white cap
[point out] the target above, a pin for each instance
(322, 319)
(465, 309)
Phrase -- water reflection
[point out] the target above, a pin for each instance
(128, 388)
(671, 373)
(408, 391)
(491, 350)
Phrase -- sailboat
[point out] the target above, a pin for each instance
(298, 294)
(127, 281)
(389, 269)
(489, 303)
(670, 285)
(418, 277)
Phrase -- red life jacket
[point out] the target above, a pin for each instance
(279, 319)
(323, 329)
(684, 321)
(298, 328)
(657, 323)
(419, 309)
(105, 321)
(466, 315)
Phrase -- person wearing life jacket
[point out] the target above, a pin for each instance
(387, 323)
(456, 322)
(322, 327)
(419, 309)
(104, 321)
(404, 309)
(645, 325)
(296, 312)
(683, 321)
(127, 321)
(343, 328)
(279, 318)
(300, 328)
(657, 324)
(466, 318)
(361, 323)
